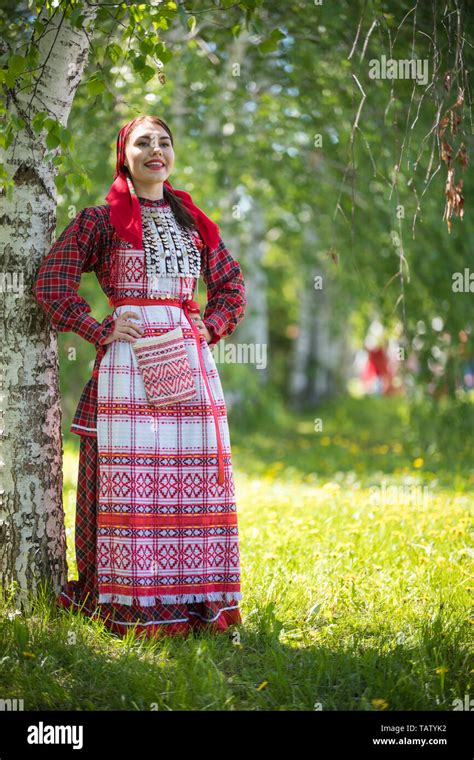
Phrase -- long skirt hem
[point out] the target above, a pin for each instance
(152, 622)
(164, 616)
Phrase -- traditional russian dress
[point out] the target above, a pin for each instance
(157, 543)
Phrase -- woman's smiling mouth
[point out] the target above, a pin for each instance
(155, 165)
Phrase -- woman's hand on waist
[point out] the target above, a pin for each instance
(125, 330)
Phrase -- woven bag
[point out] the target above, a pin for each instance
(164, 366)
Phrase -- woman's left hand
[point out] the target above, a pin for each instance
(202, 328)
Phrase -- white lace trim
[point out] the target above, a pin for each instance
(149, 601)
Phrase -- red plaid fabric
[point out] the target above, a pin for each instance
(86, 245)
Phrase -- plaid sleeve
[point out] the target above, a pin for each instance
(226, 294)
(77, 250)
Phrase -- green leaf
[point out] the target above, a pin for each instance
(163, 53)
(103, 14)
(6, 180)
(32, 57)
(146, 46)
(16, 64)
(9, 79)
(271, 44)
(146, 73)
(8, 137)
(162, 23)
(38, 121)
(51, 124)
(52, 140)
(95, 86)
(168, 11)
(113, 51)
(137, 12)
(17, 121)
(138, 62)
(65, 135)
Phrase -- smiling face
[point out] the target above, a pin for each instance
(149, 156)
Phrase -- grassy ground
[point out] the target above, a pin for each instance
(355, 558)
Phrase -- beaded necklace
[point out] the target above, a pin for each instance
(170, 249)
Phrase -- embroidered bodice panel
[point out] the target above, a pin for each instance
(169, 264)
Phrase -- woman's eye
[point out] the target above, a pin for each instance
(164, 145)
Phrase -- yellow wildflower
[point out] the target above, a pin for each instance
(380, 704)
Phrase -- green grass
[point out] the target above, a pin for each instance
(355, 553)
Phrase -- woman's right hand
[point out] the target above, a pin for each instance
(125, 330)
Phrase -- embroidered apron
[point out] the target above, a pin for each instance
(167, 525)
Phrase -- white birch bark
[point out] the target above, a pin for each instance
(32, 537)
(319, 363)
(298, 380)
(254, 329)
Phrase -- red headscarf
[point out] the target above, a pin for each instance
(125, 213)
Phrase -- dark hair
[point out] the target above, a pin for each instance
(181, 213)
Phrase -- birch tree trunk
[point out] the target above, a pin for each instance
(255, 327)
(32, 536)
(320, 360)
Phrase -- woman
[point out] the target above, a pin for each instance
(156, 521)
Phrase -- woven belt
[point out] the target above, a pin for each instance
(189, 307)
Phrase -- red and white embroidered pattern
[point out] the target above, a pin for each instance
(165, 369)
(82, 594)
